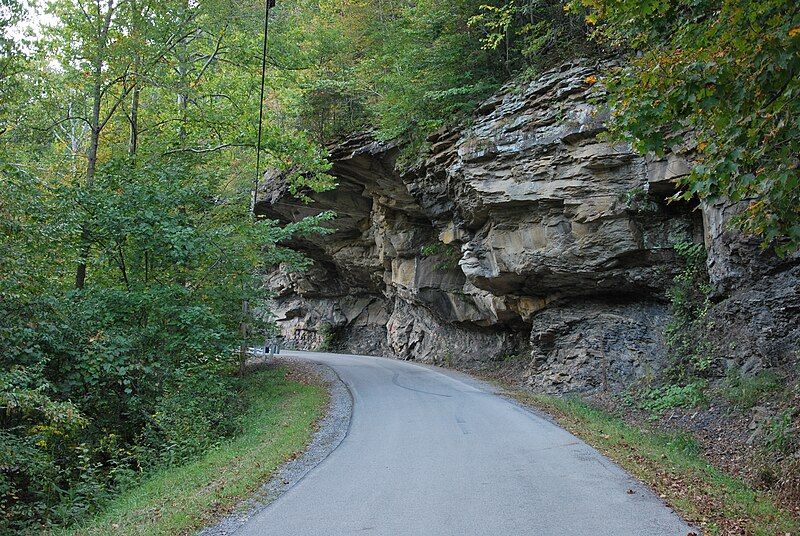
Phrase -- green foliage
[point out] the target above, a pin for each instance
(637, 201)
(726, 71)
(496, 22)
(533, 35)
(176, 500)
(447, 359)
(12, 59)
(134, 371)
(514, 358)
(448, 254)
(690, 352)
(659, 399)
(782, 432)
(689, 299)
(745, 391)
(409, 68)
(327, 334)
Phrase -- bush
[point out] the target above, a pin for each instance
(197, 410)
(142, 399)
(135, 370)
(659, 399)
(327, 334)
(448, 255)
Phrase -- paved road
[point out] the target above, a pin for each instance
(430, 453)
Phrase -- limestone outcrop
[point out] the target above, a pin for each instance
(524, 235)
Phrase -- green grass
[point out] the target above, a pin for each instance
(278, 424)
(747, 391)
(673, 466)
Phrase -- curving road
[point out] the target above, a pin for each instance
(434, 453)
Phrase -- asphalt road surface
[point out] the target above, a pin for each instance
(434, 453)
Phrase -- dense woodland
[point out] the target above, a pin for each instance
(128, 135)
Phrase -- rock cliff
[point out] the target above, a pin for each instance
(524, 238)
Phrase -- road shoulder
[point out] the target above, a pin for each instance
(330, 432)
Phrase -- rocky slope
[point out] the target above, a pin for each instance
(524, 237)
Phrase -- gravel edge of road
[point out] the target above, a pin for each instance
(331, 431)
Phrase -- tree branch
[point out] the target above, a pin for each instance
(203, 150)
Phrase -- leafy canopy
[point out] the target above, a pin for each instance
(127, 142)
(728, 73)
(407, 68)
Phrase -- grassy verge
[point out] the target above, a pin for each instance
(278, 423)
(673, 466)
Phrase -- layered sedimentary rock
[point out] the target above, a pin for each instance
(525, 234)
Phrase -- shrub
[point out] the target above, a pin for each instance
(135, 370)
(659, 399)
(327, 335)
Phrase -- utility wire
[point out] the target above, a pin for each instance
(244, 326)
(254, 197)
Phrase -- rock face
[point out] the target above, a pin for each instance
(526, 235)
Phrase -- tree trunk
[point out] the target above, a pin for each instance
(133, 143)
(91, 167)
(95, 128)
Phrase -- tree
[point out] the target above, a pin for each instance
(405, 69)
(154, 105)
(728, 72)
(102, 49)
(11, 57)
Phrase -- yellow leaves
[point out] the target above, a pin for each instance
(96, 337)
(590, 80)
(702, 146)
(794, 32)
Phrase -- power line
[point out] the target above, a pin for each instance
(244, 327)
(254, 197)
